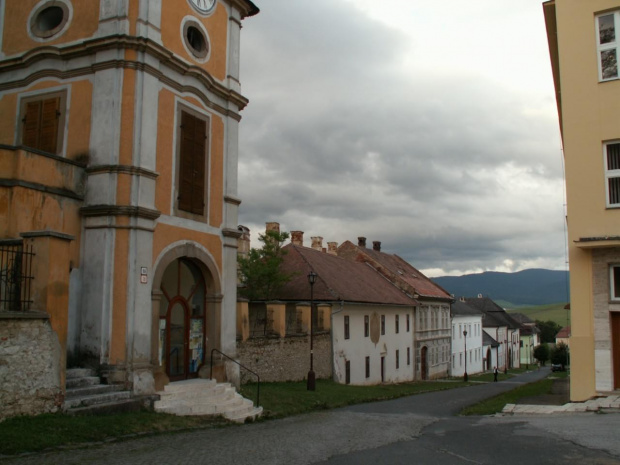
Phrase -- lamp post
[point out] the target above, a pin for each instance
(465, 375)
(311, 386)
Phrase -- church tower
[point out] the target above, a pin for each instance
(118, 164)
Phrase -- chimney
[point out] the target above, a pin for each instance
(332, 248)
(297, 238)
(317, 243)
(376, 245)
(243, 243)
(361, 241)
(272, 227)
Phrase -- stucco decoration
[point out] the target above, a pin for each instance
(375, 328)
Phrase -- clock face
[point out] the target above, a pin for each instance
(203, 6)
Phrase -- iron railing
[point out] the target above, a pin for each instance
(240, 365)
(15, 276)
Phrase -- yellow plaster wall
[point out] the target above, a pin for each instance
(15, 35)
(590, 116)
(216, 25)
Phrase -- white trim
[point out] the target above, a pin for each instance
(610, 174)
(615, 45)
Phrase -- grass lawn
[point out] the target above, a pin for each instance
(497, 403)
(553, 312)
(286, 399)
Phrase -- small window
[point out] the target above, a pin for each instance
(195, 39)
(408, 323)
(49, 19)
(346, 327)
(612, 173)
(42, 122)
(367, 367)
(396, 324)
(607, 45)
(347, 371)
(397, 359)
(408, 355)
(615, 282)
(366, 326)
(382, 325)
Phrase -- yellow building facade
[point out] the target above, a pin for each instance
(584, 43)
(119, 141)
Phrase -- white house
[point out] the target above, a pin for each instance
(467, 347)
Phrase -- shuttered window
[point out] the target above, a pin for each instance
(41, 124)
(192, 166)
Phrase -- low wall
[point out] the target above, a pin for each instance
(285, 359)
(29, 365)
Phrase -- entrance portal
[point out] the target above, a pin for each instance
(182, 320)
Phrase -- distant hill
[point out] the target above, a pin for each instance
(511, 290)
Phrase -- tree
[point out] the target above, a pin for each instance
(559, 354)
(548, 330)
(541, 353)
(261, 273)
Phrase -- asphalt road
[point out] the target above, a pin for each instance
(420, 429)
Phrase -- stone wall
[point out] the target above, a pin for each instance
(285, 359)
(29, 365)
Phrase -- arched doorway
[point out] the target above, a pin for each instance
(424, 363)
(489, 359)
(182, 319)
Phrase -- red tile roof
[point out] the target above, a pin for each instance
(564, 333)
(338, 279)
(398, 269)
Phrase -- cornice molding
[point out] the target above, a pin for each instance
(120, 210)
(122, 42)
(124, 169)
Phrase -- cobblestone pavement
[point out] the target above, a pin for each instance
(416, 429)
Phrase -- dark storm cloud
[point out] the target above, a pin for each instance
(342, 139)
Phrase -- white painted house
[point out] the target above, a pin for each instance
(467, 333)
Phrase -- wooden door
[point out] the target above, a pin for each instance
(615, 356)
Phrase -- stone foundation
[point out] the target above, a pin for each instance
(285, 359)
(30, 371)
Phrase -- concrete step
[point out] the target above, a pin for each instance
(86, 401)
(92, 390)
(243, 417)
(190, 386)
(72, 383)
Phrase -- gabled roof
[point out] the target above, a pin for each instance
(488, 340)
(461, 308)
(494, 315)
(564, 333)
(398, 269)
(521, 318)
(338, 279)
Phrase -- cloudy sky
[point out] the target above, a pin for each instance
(429, 126)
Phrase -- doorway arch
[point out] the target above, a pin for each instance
(186, 304)
(424, 363)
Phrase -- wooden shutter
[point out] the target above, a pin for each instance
(41, 124)
(192, 169)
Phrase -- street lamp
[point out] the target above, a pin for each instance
(311, 377)
(465, 375)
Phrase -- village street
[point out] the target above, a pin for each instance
(417, 429)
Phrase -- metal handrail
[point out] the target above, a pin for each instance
(242, 366)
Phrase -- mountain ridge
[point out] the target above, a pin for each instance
(535, 286)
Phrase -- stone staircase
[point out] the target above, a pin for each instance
(85, 395)
(206, 397)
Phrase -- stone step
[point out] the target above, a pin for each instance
(80, 373)
(92, 390)
(216, 393)
(242, 417)
(191, 386)
(86, 401)
(72, 383)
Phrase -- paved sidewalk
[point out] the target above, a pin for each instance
(600, 404)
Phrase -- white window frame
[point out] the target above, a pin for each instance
(610, 174)
(601, 48)
(612, 281)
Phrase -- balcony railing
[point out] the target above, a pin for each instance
(15, 276)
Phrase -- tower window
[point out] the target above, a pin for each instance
(49, 19)
(196, 40)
